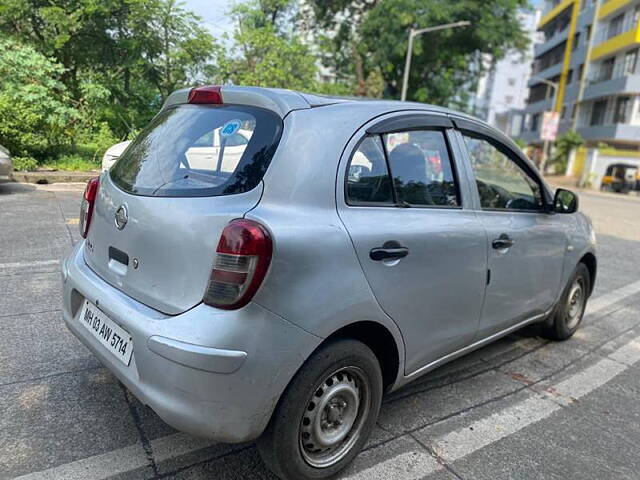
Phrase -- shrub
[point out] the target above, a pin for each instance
(24, 164)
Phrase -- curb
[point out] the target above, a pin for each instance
(54, 177)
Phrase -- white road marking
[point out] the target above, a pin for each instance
(608, 299)
(172, 446)
(409, 465)
(460, 443)
(463, 442)
(36, 263)
(453, 446)
(97, 467)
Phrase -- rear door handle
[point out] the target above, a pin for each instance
(503, 242)
(388, 252)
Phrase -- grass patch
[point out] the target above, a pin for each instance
(71, 163)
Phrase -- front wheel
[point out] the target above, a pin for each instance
(568, 314)
(326, 414)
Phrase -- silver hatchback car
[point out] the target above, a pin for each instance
(349, 248)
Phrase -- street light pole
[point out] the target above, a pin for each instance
(545, 145)
(414, 33)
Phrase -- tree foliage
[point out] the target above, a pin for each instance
(36, 115)
(135, 52)
(264, 50)
(359, 37)
(564, 144)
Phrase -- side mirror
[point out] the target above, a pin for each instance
(565, 201)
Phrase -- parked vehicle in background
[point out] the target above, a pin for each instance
(113, 153)
(620, 178)
(276, 290)
(6, 165)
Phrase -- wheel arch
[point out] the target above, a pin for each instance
(589, 260)
(380, 340)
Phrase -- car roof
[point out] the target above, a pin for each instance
(283, 101)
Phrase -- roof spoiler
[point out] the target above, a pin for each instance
(277, 100)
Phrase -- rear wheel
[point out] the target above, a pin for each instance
(326, 414)
(569, 312)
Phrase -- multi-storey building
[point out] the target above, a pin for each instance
(566, 27)
(502, 91)
(589, 50)
(609, 111)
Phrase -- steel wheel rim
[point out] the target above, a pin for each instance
(334, 417)
(575, 304)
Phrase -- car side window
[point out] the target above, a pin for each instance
(501, 183)
(368, 180)
(421, 168)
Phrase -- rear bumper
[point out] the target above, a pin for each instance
(208, 372)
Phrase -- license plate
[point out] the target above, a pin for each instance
(113, 337)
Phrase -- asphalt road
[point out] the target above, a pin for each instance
(520, 408)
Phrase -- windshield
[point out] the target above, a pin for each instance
(200, 150)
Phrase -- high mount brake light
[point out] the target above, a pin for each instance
(242, 260)
(210, 94)
(88, 202)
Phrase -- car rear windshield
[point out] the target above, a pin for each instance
(200, 150)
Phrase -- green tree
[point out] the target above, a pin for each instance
(361, 37)
(37, 115)
(564, 145)
(268, 52)
(135, 50)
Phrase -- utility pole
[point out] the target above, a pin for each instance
(545, 146)
(414, 33)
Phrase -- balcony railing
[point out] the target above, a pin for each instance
(610, 30)
(623, 67)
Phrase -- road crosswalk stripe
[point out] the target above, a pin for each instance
(36, 263)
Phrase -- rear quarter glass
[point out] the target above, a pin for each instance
(183, 152)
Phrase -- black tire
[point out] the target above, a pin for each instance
(346, 364)
(567, 316)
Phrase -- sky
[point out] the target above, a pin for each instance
(213, 13)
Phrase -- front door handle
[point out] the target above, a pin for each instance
(389, 251)
(502, 242)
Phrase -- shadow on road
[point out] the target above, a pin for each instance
(12, 187)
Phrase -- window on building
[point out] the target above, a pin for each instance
(615, 26)
(606, 69)
(537, 93)
(576, 41)
(598, 113)
(621, 113)
(508, 99)
(580, 72)
(563, 115)
(535, 122)
(630, 62)
(570, 78)
(511, 82)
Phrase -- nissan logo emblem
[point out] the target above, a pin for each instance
(122, 217)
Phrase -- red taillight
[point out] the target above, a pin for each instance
(209, 94)
(242, 260)
(86, 208)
